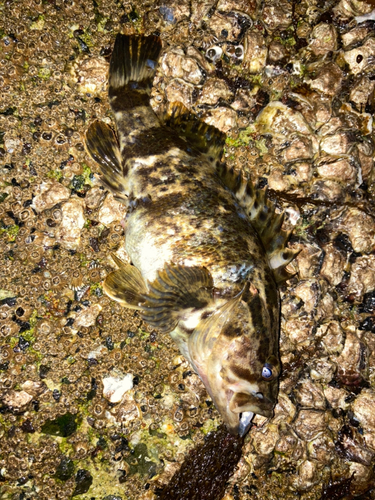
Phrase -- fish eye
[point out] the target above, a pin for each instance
(214, 53)
(267, 372)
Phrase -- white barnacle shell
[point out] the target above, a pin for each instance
(214, 53)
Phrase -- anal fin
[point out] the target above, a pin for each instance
(102, 144)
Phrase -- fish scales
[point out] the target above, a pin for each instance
(206, 249)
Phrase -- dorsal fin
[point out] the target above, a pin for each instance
(205, 138)
(265, 221)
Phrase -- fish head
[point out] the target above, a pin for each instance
(235, 352)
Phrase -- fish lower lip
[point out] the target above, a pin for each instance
(245, 422)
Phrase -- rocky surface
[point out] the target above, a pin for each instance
(292, 84)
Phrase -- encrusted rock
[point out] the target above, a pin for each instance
(363, 409)
(327, 80)
(73, 220)
(87, 317)
(362, 277)
(48, 194)
(90, 75)
(309, 424)
(180, 91)
(360, 227)
(17, 401)
(94, 197)
(222, 118)
(176, 65)
(115, 386)
(333, 264)
(323, 39)
(256, 50)
(213, 90)
(360, 59)
(111, 210)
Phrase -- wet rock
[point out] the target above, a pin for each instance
(299, 148)
(35, 389)
(308, 474)
(276, 52)
(309, 424)
(224, 27)
(333, 264)
(310, 394)
(222, 118)
(360, 227)
(213, 90)
(176, 65)
(323, 39)
(265, 439)
(327, 80)
(321, 448)
(361, 92)
(363, 409)
(87, 317)
(277, 14)
(332, 337)
(256, 50)
(278, 181)
(48, 194)
(111, 210)
(285, 410)
(336, 397)
(247, 7)
(179, 91)
(337, 144)
(360, 58)
(327, 190)
(16, 401)
(350, 445)
(90, 75)
(362, 277)
(115, 386)
(352, 362)
(94, 197)
(278, 119)
(73, 220)
(309, 292)
(299, 332)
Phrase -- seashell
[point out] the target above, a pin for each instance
(214, 53)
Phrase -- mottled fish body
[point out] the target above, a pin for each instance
(206, 248)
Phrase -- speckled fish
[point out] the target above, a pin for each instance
(206, 248)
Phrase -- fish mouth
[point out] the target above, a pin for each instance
(255, 403)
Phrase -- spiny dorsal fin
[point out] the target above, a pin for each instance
(126, 285)
(265, 221)
(176, 288)
(203, 137)
(102, 145)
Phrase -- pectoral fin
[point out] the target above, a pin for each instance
(126, 285)
(177, 288)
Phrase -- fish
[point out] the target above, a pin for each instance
(206, 249)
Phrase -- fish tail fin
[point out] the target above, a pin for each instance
(133, 63)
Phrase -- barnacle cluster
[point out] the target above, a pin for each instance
(292, 84)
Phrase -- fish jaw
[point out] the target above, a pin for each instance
(231, 368)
